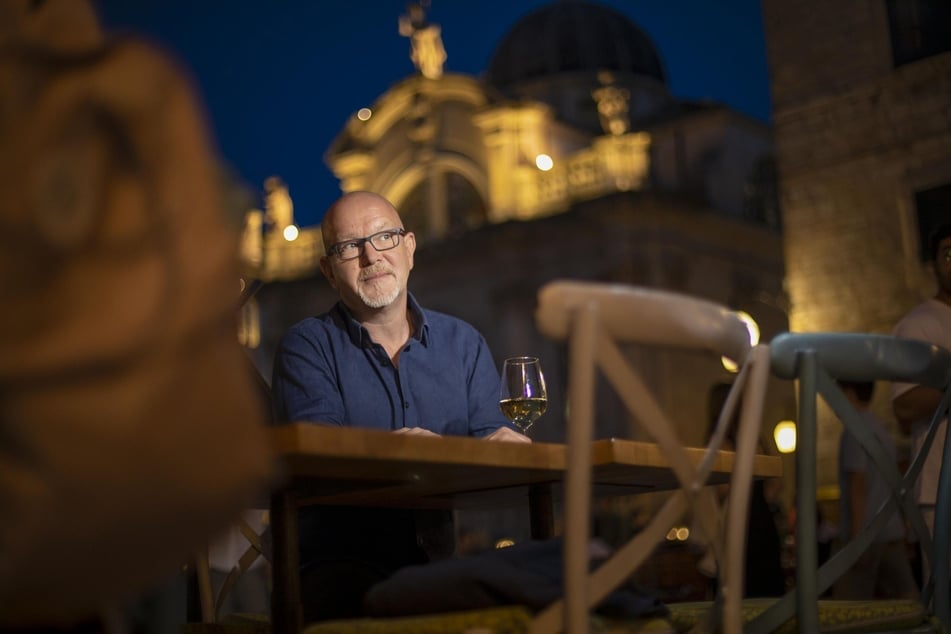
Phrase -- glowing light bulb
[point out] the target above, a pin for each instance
(544, 162)
(785, 436)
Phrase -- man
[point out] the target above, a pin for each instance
(914, 405)
(378, 360)
(883, 570)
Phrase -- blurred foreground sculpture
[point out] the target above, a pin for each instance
(130, 429)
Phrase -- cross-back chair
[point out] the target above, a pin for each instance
(816, 361)
(596, 319)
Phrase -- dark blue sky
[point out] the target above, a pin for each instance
(279, 78)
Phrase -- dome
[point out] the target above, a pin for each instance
(570, 36)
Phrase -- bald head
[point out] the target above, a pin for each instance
(351, 209)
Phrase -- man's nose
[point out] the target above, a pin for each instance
(368, 254)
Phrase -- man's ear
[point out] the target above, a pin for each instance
(410, 239)
(327, 269)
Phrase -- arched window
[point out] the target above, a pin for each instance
(452, 208)
(466, 208)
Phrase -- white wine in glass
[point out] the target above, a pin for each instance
(523, 397)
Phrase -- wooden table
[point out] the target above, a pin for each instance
(341, 465)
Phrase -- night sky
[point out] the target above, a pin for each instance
(279, 78)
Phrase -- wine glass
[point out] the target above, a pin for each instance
(523, 397)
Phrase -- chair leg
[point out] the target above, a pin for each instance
(578, 476)
(806, 551)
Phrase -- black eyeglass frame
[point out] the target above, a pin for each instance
(360, 244)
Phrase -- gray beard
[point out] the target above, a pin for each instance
(379, 300)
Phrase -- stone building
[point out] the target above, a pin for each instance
(861, 95)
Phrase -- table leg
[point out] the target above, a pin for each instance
(285, 595)
(542, 517)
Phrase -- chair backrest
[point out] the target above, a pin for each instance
(817, 361)
(594, 318)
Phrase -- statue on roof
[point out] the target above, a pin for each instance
(426, 49)
(612, 105)
(279, 208)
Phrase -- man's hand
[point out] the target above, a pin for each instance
(507, 435)
(415, 431)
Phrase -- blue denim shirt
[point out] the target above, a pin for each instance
(329, 370)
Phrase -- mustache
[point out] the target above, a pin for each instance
(373, 270)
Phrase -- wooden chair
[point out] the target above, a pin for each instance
(594, 318)
(816, 361)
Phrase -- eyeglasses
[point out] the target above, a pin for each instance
(381, 241)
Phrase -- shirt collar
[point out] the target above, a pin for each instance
(421, 331)
(360, 336)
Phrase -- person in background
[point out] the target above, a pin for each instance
(883, 569)
(914, 405)
(378, 360)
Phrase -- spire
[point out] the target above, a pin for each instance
(426, 49)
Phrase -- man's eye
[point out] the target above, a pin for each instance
(346, 247)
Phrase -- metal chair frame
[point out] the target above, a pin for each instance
(817, 360)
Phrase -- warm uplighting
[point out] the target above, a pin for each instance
(785, 436)
(291, 232)
(364, 114)
(544, 162)
(753, 328)
(505, 542)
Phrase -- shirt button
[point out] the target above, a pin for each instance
(406, 405)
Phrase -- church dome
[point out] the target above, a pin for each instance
(570, 36)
